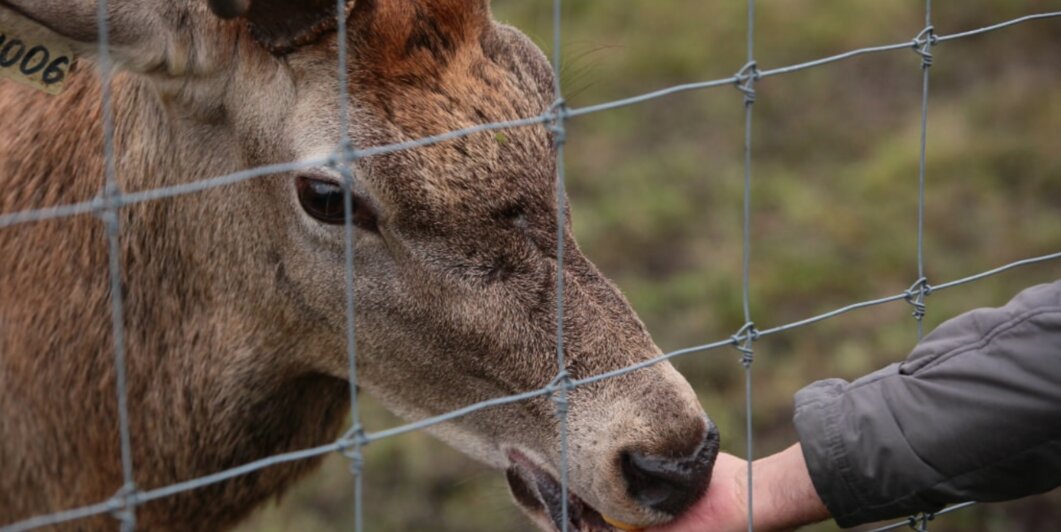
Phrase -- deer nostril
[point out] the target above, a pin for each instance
(668, 484)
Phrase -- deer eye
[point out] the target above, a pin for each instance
(323, 200)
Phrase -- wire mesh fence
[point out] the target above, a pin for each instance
(122, 506)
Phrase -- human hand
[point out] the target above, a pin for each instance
(724, 507)
(783, 496)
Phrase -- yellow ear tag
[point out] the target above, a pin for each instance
(38, 57)
(618, 524)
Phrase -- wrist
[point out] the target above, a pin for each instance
(784, 497)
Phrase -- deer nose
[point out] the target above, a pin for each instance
(671, 484)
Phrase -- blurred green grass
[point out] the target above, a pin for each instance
(656, 193)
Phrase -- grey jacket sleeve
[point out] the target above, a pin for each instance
(974, 413)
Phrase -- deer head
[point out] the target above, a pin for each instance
(454, 245)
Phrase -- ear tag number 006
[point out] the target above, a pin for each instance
(35, 62)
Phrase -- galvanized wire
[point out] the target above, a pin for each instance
(344, 157)
(923, 46)
(551, 388)
(919, 522)
(124, 502)
(747, 77)
(112, 194)
(923, 43)
(96, 205)
(563, 380)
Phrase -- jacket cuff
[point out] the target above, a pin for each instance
(816, 422)
(851, 449)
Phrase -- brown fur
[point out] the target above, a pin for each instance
(234, 297)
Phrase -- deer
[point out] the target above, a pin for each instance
(234, 297)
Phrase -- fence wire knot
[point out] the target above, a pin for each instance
(745, 79)
(920, 522)
(923, 43)
(343, 155)
(122, 504)
(560, 383)
(350, 446)
(109, 199)
(742, 340)
(915, 296)
(112, 191)
(558, 114)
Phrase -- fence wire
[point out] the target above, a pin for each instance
(558, 128)
(112, 194)
(354, 438)
(122, 506)
(750, 74)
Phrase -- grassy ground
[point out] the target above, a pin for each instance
(656, 192)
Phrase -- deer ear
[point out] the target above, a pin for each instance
(140, 33)
(283, 25)
(76, 20)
